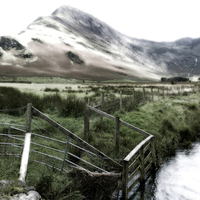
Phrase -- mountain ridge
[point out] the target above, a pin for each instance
(105, 52)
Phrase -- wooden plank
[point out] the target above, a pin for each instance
(137, 170)
(134, 128)
(81, 142)
(148, 167)
(136, 149)
(134, 184)
(147, 147)
(147, 158)
(133, 164)
(101, 112)
(125, 181)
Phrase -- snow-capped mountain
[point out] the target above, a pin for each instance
(71, 43)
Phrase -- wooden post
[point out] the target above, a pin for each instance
(133, 94)
(158, 92)
(102, 102)
(125, 180)
(66, 150)
(152, 93)
(88, 100)
(120, 99)
(25, 157)
(163, 92)
(8, 136)
(153, 153)
(86, 123)
(28, 117)
(143, 93)
(142, 171)
(117, 126)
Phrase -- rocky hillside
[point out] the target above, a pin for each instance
(71, 43)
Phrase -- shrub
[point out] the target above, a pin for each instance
(51, 90)
(53, 187)
(72, 106)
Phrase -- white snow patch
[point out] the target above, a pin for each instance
(33, 59)
(6, 63)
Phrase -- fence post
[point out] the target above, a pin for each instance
(125, 180)
(7, 137)
(25, 157)
(158, 92)
(66, 150)
(28, 117)
(142, 171)
(88, 100)
(86, 123)
(163, 92)
(143, 93)
(117, 126)
(101, 103)
(153, 152)
(120, 99)
(152, 93)
(133, 94)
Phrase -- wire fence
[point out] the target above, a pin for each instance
(131, 97)
(48, 148)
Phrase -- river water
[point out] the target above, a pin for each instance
(177, 179)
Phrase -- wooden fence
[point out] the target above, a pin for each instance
(138, 162)
(140, 94)
(136, 165)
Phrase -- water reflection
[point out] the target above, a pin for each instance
(177, 179)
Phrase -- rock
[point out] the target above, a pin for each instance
(75, 58)
(18, 191)
(32, 195)
(4, 184)
(8, 43)
(24, 54)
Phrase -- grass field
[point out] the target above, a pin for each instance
(173, 120)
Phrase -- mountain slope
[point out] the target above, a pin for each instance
(71, 43)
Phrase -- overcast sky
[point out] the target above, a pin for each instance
(156, 20)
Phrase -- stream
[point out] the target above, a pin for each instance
(177, 179)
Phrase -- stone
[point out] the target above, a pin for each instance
(32, 195)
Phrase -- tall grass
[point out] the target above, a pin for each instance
(12, 98)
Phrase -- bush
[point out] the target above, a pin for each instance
(53, 187)
(72, 106)
(51, 90)
(11, 98)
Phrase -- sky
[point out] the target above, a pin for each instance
(155, 20)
